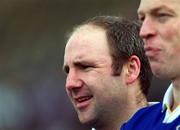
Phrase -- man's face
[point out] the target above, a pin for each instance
(94, 91)
(161, 33)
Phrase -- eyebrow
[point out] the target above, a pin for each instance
(76, 63)
(158, 8)
(65, 66)
(79, 62)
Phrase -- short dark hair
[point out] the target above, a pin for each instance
(124, 41)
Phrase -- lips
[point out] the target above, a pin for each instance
(151, 51)
(83, 101)
(83, 98)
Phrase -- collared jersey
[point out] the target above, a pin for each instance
(156, 117)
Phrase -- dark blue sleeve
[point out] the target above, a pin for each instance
(123, 127)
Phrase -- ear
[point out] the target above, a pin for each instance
(133, 69)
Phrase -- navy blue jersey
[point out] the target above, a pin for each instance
(151, 118)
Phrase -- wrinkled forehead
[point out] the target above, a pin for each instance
(86, 36)
(87, 40)
(149, 5)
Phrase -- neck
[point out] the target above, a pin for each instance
(136, 97)
(133, 103)
(139, 101)
(113, 122)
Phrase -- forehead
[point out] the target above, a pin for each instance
(87, 41)
(149, 5)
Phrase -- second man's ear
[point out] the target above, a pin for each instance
(133, 69)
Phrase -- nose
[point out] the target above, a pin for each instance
(73, 81)
(147, 28)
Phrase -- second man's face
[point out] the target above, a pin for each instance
(160, 31)
(90, 83)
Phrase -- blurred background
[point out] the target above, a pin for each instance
(32, 39)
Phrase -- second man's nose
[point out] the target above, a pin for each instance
(147, 28)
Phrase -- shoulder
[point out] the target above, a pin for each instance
(144, 115)
(146, 111)
(152, 108)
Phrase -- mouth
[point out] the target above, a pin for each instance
(83, 101)
(151, 52)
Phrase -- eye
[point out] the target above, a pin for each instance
(66, 69)
(141, 18)
(85, 67)
(163, 17)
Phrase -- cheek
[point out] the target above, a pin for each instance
(172, 42)
(171, 32)
(171, 36)
(99, 84)
(168, 33)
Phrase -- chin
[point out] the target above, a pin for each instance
(88, 120)
(156, 73)
(160, 74)
(83, 119)
(156, 70)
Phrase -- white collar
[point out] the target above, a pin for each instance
(168, 97)
(167, 103)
